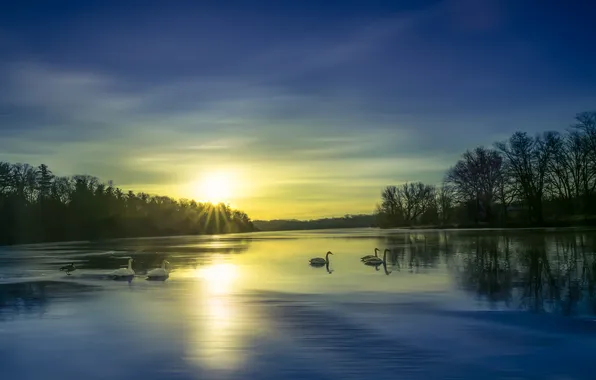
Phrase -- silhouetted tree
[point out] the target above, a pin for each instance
(550, 178)
(445, 200)
(584, 136)
(37, 206)
(527, 161)
(476, 180)
(405, 203)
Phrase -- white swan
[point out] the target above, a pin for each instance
(368, 257)
(319, 261)
(124, 273)
(159, 273)
(377, 261)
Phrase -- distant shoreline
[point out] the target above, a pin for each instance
(588, 222)
(413, 228)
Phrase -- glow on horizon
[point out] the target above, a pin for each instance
(284, 190)
(215, 187)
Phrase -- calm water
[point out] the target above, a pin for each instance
(448, 304)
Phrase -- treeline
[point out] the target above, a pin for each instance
(546, 179)
(37, 206)
(347, 221)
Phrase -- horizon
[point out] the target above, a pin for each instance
(293, 111)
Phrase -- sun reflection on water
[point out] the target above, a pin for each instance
(218, 278)
(219, 324)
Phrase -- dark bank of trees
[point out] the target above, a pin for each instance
(37, 206)
(347, 221)
(546, 179)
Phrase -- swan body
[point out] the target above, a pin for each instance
(319, 261)
(159, 273)
(376, 260)
(124, 273)
(68, 268)
(368, 257)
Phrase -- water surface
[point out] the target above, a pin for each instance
(495, 304)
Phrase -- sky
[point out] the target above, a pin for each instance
(309, 108)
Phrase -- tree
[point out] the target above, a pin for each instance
(44, 181)
(563, 172)
(549, 177)
(584, 141)
(36, 206)
(527, 162)
(404, 204)
(476, 180)
(445, 204)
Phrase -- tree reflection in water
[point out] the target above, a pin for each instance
(538, 271)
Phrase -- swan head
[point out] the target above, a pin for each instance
(377, 250)
(329, 253)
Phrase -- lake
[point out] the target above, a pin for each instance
(468, 304)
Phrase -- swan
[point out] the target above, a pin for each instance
(327, 267)
(68, 268)
(124, 273)
(377, 261)
(387, 273)
(368, 257)
(319, 261)
(159, 273)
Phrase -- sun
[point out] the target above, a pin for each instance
(215, 187)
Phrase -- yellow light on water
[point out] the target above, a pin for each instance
(219, 278)
(221, 323)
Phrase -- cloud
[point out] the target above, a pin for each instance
(51, 104)
(296, 148)
(324, 116)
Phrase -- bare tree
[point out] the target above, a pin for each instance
(563, 173)
(413, 199)
(507, 193)
(5, 177)
(24, 180)
(527, 162)
(388, 210)
(405, 203)
(445, 203)
(586, 123)
(476, 177)
(584, 137)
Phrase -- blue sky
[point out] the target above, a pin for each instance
(310, 107)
